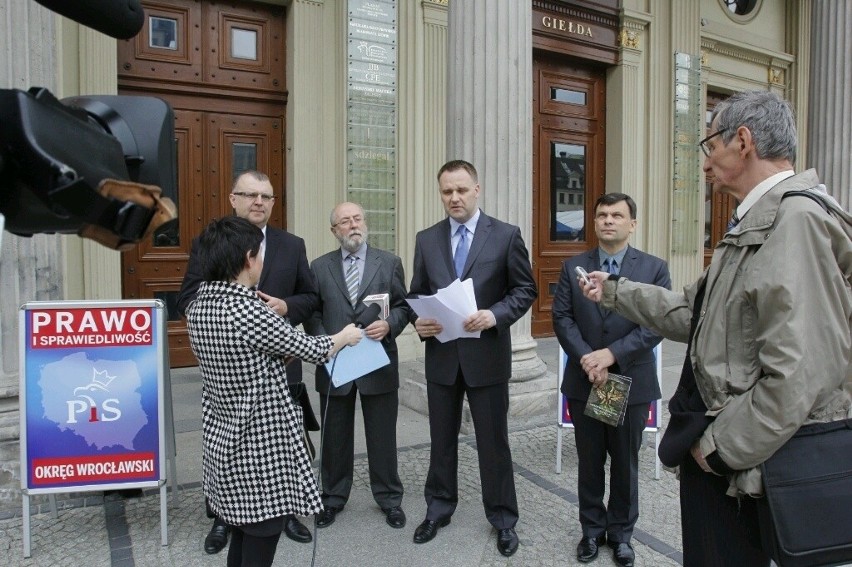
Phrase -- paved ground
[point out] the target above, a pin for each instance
(119, 532)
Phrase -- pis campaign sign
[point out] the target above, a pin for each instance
(91, 389)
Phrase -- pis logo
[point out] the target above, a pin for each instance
(86, 408)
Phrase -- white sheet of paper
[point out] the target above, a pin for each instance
(356, 361)
(450, 306)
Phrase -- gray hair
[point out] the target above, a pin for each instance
(332, 219)
(769, 118)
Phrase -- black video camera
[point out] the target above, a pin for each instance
(100, 166)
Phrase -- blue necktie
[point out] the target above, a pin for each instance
(610, 265)
(460, 256)
(733, 222)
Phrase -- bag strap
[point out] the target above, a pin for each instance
(810, 195)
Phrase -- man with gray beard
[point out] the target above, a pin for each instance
(344, 277)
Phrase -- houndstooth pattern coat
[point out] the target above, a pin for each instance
(255, 466)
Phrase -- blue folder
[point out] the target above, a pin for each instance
(353, 362)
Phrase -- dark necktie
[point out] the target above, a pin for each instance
(460, 256)
(610, 265)
(733, 222)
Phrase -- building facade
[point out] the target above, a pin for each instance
(555, 101)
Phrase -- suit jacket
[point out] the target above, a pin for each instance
(383, 273)
(499, 265)
(583, 326)
(285, 275)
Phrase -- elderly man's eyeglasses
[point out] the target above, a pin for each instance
(707, 148)
(349, 221)
(253, 196)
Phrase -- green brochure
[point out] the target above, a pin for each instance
(608, 403)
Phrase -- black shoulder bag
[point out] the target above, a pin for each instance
(806, 514)
(808, 497)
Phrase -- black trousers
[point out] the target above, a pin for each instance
(595, 440)
(338, 447)
(489, 408)
(251, 551)
(718, 530)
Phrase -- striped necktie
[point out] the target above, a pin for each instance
(352, 279)
(733, 222)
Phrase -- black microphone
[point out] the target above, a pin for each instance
(370, 314)
(121, 19)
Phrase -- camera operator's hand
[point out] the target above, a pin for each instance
(149, 196)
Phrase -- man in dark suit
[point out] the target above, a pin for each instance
(471, 245)
(597, 342)
(367, 271)
(287, 286)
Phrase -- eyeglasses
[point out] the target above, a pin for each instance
(703, 143)
(348, 221)
(267, 198)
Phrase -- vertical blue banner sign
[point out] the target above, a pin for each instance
(91, 395)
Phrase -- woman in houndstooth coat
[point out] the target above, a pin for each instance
(256, 469)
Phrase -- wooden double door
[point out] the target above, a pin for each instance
(568, 169)
(229, 102)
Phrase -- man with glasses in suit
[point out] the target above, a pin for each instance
(287, 287)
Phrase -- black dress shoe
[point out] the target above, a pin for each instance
(427, 530)
(623, 553)
(507, 541)
(327, 516)
(217, 539)
(296, 530)
(395, 517)
(587, 549)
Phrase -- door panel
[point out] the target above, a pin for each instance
(221, 68)
(568, 170)
(156, 268)
(238, 143)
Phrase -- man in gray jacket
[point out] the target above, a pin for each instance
(344, 277)
(768, 329)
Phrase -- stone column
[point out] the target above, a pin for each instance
(626, 148)
(97, 64)
(421, 149)
(687, 207)
(830, 111)
(489, 123)
(30, 268)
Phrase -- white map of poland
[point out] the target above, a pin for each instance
(74, 385)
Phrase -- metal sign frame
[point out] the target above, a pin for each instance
(78, 454)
